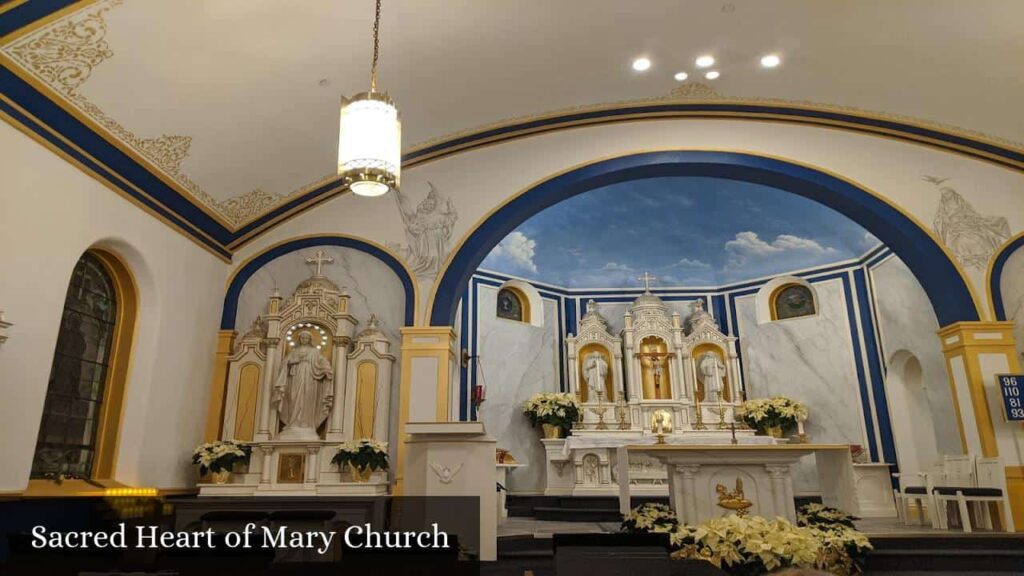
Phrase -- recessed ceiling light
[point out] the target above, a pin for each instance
(680, 76)
(711, 75)
(770, 61)
(705, 61)
(641, 64)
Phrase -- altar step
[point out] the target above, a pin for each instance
(572, 508)
(953, 554)
(582, 508)
(893, 555)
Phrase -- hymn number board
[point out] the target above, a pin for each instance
(1010, 387)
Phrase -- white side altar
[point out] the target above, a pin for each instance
(701, 478)
(300, 382)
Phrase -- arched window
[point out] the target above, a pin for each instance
(792, 301)
(78, 433)
(513, 305)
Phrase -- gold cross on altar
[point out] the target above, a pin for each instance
(320, 258)
(646, 279)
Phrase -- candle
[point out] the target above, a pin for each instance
(800, 427)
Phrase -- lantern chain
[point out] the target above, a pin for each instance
(376, 48)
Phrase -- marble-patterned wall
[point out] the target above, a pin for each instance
(374, 289)
(516, 361)
(907, 322)
(1012, 287)
(809, 359)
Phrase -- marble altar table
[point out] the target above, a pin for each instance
(763, 472)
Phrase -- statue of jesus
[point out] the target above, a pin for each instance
(712, 374)
(302, 393)
(595, 369)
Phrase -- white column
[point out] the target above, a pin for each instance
(733, 370)
(779, 475)
(311, 464)
(268, 452)
(618, 381)
(685, 359)
(570, 349)
(685, 492)
(264, 431)
(676, 377)
(340, 365)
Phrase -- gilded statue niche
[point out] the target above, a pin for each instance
(366, 399)
(707, 371)
(609, 386)
(655, 374)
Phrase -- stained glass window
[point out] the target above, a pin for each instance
(793, 301)
(74, 396)
(510, 305)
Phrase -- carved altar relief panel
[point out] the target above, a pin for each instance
(655, 375)
(609, 386)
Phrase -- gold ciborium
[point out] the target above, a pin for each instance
(733, 500)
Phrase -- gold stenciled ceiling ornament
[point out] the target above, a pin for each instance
(370, 136)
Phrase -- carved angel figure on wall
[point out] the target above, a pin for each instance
(972, 237)
(428, 230)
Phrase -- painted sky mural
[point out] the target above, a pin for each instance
(685, 231)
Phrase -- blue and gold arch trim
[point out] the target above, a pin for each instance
(43, 118)
(940, 276)
(242, 275)
(995, 274)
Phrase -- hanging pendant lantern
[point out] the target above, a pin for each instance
(370, 136)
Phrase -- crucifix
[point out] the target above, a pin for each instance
(646, 279)
(320, 258)
(655, 360)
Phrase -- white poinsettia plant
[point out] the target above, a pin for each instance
(779, 411)
(753, 545)
(363, 454)
(220, 455)
(555, 408)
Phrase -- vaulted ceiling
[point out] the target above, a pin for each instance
(223, 113)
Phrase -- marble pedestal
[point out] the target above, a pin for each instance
(695, 471)
(455, 459)
(874, 490)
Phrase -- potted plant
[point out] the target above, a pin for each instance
(772, 415)
(219, 457)
(753, 545)
(362, 458)
(554, 411)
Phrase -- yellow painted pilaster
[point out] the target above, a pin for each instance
(215, 413)
(428, 363)
(975, 352)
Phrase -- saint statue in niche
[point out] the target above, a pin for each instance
(428, 229)
(712, 373)
(971, 236)
(302, 392)
(595, 370)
